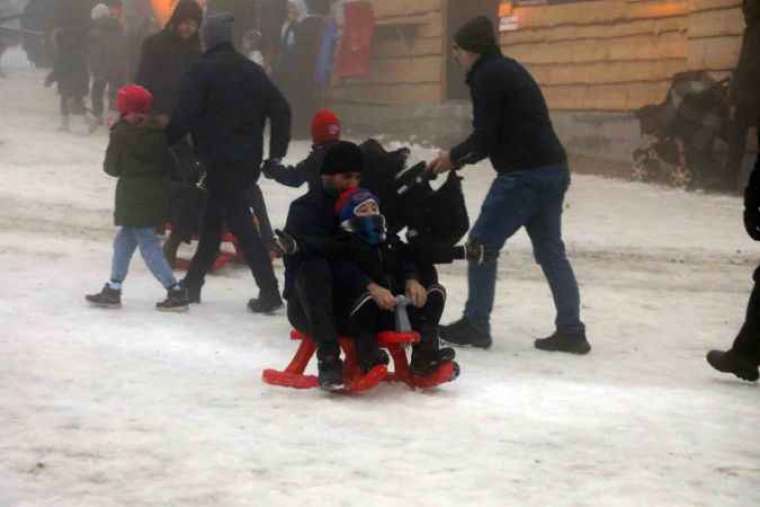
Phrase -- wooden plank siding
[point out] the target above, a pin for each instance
(601, 55)
(407, 62)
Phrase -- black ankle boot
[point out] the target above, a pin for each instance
(266, 303)
(572, 343)
(176, 300)
(193, 291)
(330, 373)
(106, 298)
(424, 362)
(464, 333)
(731, 362)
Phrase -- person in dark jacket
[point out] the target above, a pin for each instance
(745, 91)
(513, 129)
(169, 54)
(325, 132)
(743, 358)
(107, 56)
(225, 102)
(136, 154)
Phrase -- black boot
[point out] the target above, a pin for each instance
(176, 300)
(331, 373)
(193, 291)
(464, 333)
(267, 302)
(731, 362)
(106, 298)
(424, 362)
(572, 343)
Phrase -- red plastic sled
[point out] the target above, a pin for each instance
(224, 257)
(395, 342)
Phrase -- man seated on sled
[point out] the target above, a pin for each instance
(322, 275)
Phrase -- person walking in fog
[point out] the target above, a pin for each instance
(225, 101)
(136, 154)
(512, 127)
(107, 56)
(743, 358)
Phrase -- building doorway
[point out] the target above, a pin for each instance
(458, 12)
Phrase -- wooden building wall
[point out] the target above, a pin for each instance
(602, 55)
(407, 63)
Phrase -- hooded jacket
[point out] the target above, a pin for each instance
(166, 57)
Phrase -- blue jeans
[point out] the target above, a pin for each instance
(124, 245)
(532, 199)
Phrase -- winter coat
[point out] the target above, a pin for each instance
(306, 171)
(108, 55)
(70, 63)
(746, 81)
(510, 118)
(139, 156)
(164, 60)
(225, 100)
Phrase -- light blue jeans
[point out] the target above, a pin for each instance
(124, 245)
(532, 199)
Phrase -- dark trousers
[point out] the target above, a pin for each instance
(227, 203)
(262, 215)
(747, 343)
(99, 86)
(310, 306)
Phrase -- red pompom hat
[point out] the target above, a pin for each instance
(134, 99)
(325, 127)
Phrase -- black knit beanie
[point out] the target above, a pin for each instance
(477, 36)
(343, 157)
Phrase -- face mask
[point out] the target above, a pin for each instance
(371, 229)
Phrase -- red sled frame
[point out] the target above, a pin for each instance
(395, 342)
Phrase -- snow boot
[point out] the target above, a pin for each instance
(464, 333)
(572, 343)
(267, 303)
(176, 300)
(106, 298)
(331, 373)
(425, 362)
(731, 362)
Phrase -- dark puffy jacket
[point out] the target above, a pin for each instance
(139, 156)
(225, 100)
(306, 171)
(510, 118)
(164, 60)
(108, 55)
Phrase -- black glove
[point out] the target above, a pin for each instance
(285, 243)
(270, 166)
(752, 223)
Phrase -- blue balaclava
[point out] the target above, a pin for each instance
(359, 213)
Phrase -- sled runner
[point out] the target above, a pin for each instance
(395, 342)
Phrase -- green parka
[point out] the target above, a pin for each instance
(138, 155)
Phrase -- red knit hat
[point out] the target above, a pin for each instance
(134, 99)
(325, 127)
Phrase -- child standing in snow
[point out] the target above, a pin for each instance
(138, 155)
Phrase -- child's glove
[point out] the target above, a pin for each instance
(270, 166)
(285, 243)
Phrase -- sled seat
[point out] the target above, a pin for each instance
(393, 341)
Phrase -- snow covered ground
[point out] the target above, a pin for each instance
(136, 408)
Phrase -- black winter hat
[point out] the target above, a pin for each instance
(343, 157)
(476, 36)
(186, 9)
